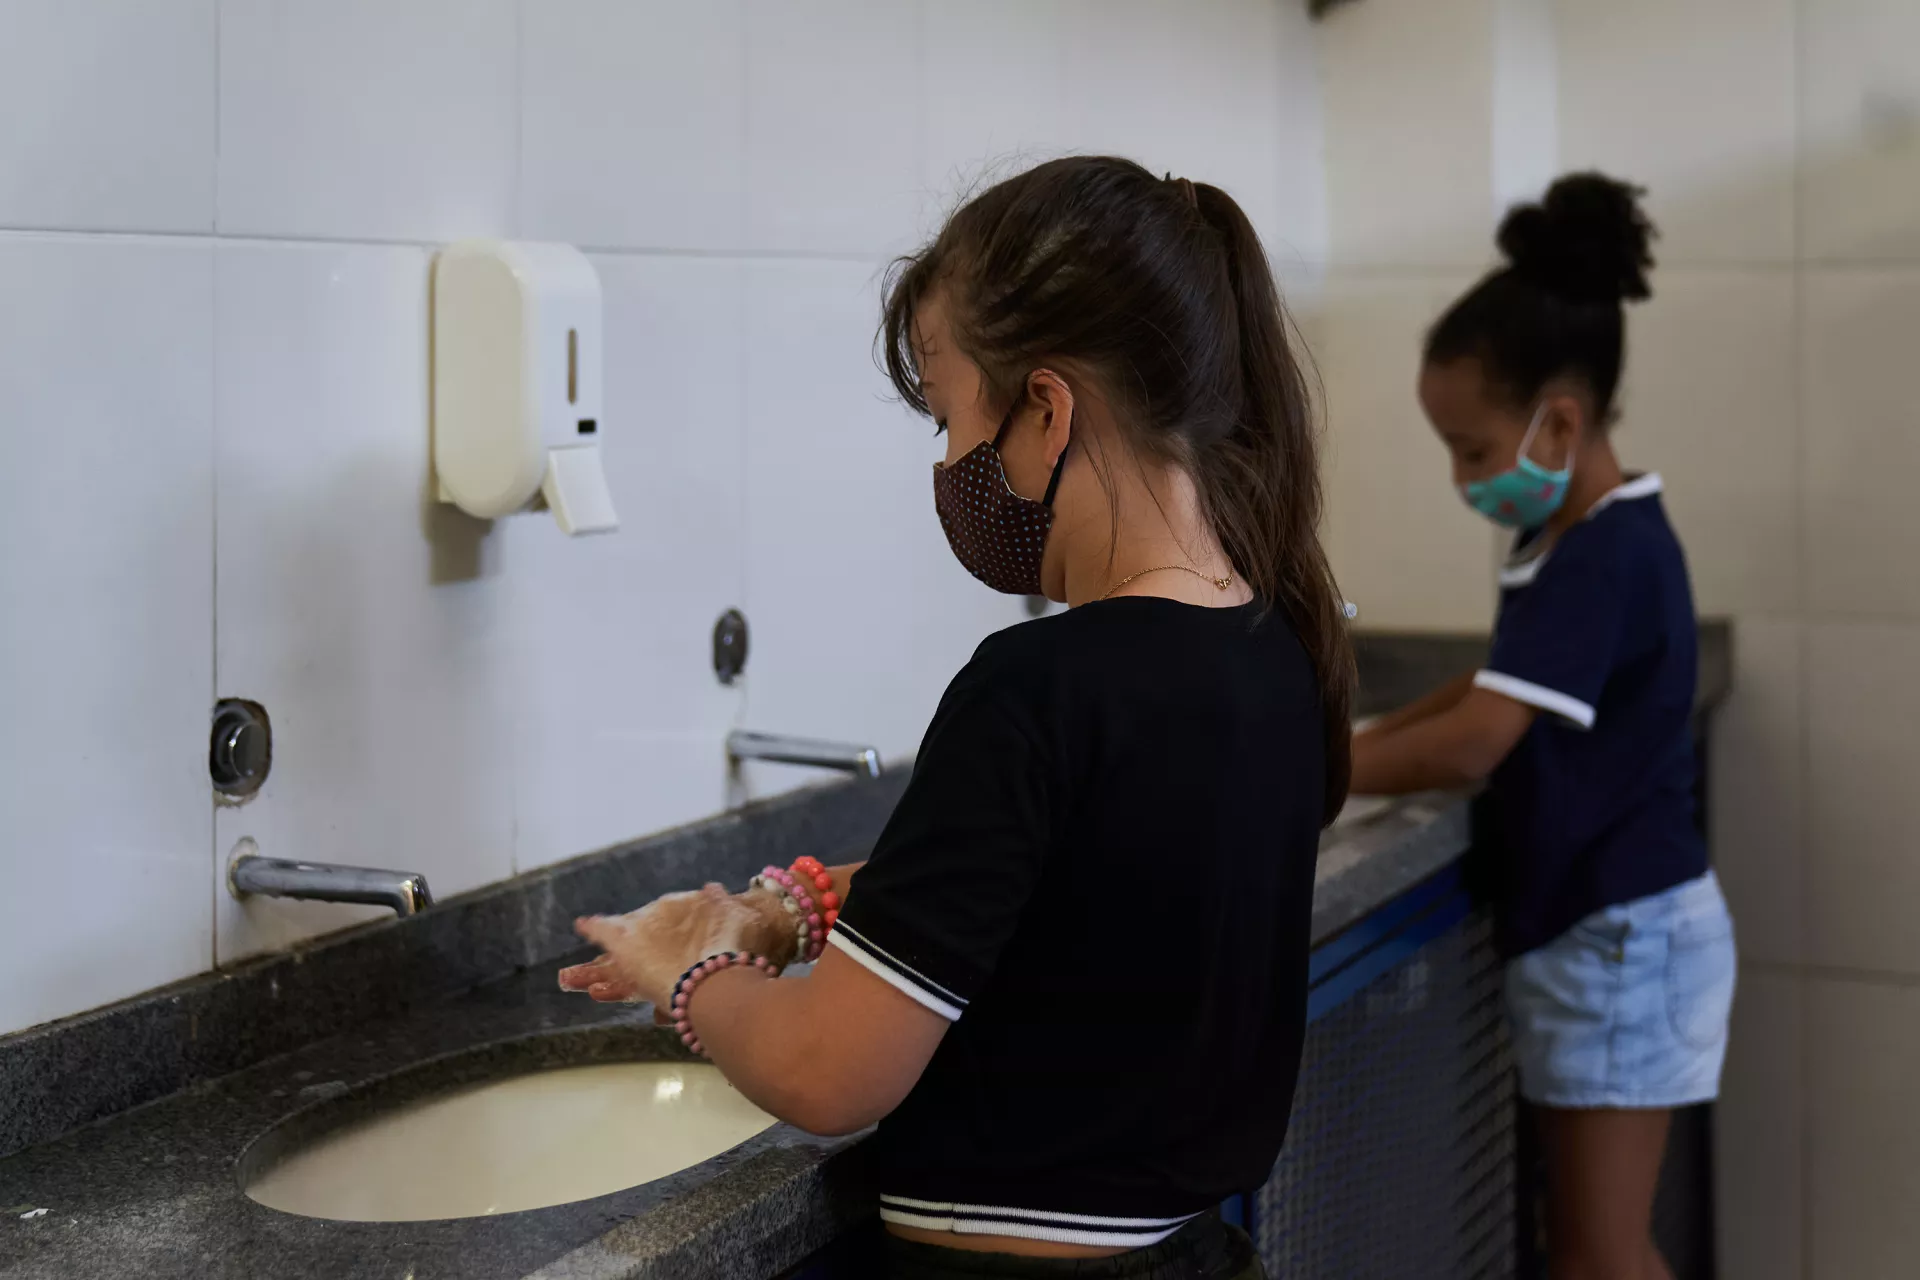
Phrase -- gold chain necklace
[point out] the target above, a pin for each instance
(1222, 583)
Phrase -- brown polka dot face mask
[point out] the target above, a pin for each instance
(999, 536)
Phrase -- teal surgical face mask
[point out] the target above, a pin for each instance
(1526, 495)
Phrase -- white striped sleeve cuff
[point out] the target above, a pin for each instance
(1572, 710)
(895, 972)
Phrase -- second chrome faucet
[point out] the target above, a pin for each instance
(862, 762)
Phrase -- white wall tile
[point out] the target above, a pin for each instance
(1708, 400)
(1303, 290)
(363, 616)
(1407, 550)
(833, 126)
(1236, 100)
(1692, 99)
(1300, 232)
(634, 123)
(994, 94)
(1759, 1130)
(860, 614)
(1409, 102)
(1526, 100)
(1860, 129)
(1862, 432)
(110, 114)
(1191, 89)
(379, 119)
(106, 366)
(620, 723)
(1863, 1129)
(1863, 757)
(1758, 791)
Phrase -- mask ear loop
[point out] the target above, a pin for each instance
(1053, 485)
(1526, 441)
(1059, 467)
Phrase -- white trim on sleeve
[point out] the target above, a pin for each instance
(896, 974)
(1521, 573)
(1570, 709)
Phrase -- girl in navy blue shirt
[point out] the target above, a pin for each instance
(1579, 725)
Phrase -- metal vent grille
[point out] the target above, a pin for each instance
(1399, 1161)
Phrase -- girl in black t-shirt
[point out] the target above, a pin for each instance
(1127, 432)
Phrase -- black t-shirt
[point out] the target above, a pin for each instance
(1102, 871)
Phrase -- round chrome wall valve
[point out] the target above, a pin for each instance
(241, 751)
(730, 646)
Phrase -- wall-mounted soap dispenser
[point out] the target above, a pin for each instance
(516, 383)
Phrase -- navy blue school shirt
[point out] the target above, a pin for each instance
(1595, 806)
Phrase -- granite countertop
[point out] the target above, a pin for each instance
(406, 1008)
(156, 1189)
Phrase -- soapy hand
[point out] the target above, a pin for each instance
(646, 951)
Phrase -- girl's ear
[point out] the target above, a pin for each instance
(1566, 425)
(1049, 392)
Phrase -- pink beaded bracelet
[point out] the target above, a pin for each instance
(809, 929)
(683, 989)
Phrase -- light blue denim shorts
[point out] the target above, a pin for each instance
(1629, 1007)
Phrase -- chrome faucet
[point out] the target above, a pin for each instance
(862, 762)
(249, 873)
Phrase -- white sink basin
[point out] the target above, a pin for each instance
(521, 1143)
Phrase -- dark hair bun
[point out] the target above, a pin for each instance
(1587, 241)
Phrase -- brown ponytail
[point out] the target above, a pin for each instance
(1262, 483)
(1159, 289)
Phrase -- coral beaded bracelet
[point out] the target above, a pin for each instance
(812, 871)
(683, 989)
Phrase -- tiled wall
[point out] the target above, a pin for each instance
(1771, 381)
(216, 223)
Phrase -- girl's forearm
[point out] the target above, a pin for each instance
(1445, 698)
(831, 1052)
(1408, 759)
(761, 1031)
(766, 1034)
(1448, 751)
